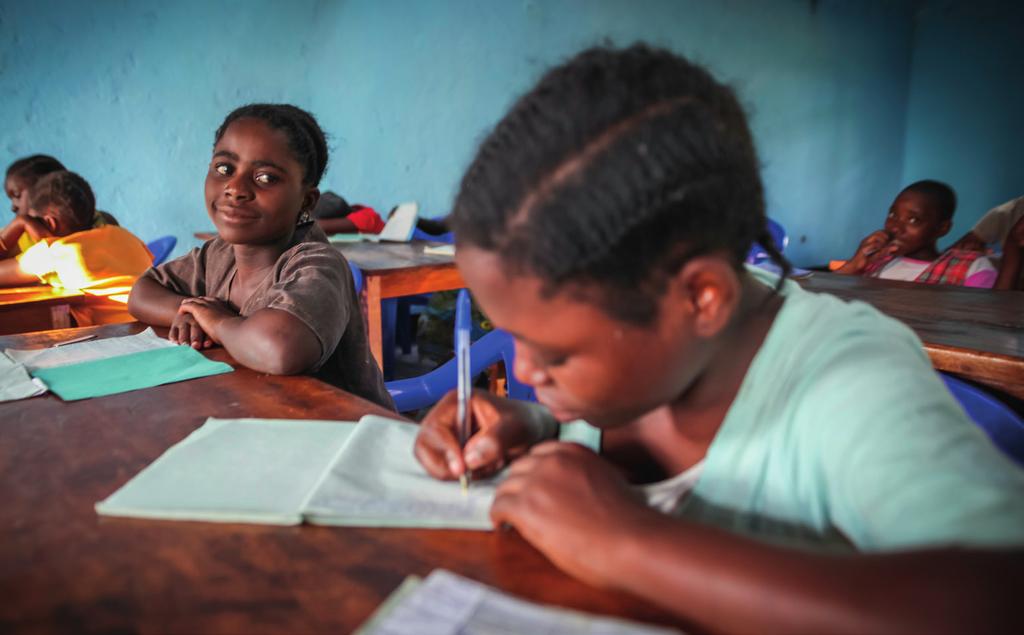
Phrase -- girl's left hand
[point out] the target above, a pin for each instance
(573, 506)
(210, 313)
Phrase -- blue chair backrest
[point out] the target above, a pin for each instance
(357, 277)
(1000, 423)
(425, 390)
(161, 248)
(419, 234)
(779, 237)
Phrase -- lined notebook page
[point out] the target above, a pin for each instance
(377, 482)
(448, 604)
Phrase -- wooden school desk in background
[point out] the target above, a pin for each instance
(975, 333)
(63, 568)
(392, 270)
(40, 307)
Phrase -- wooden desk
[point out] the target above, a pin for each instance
(975, 333)
(65, 569)
(392, 270)
(36, 308)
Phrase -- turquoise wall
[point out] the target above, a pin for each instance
(129, 93)
(965, 120)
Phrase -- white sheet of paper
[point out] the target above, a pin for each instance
(34, 359)
(449, 604)
(15, 382)
(377, 482)
(439, 250)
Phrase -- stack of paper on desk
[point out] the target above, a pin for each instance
(109, 366)
(448, 604)
(285, 471)
(87, 351)
(15, 382)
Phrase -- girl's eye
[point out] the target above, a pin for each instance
(223, 169)
(265, 178)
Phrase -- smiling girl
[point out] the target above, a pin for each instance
(770, 459)
(269, 288)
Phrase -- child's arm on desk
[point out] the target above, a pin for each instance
(153, 303)
(10, 234)
(578, 510)
(12, 275)
(270, 340)
(337, 226)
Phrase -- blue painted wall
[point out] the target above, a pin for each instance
(965, 120)
(129, 93)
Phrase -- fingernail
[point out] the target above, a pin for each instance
(453, 463)
(473, 458)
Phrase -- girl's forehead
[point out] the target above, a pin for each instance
(251, 136)
(520, 302)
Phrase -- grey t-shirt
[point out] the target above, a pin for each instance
(311, 281)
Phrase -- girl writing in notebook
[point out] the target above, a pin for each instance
(269, 287)
(770, 459)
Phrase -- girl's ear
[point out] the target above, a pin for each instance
(944, 227)
(309, 200)
(707, 289)
(51, 223)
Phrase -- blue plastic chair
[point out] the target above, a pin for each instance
(778, 233)
(419, 234)
(1000, 423)
(357, 277)
(425, 390)
(161, 248)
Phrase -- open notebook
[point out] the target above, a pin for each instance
(283, 472)
(398, 229)
(448, 604)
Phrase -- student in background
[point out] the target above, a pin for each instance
(336, 216)
(269, 288)
(68, 252)
(770, 459)
(907, 249)
(994, 227)
(21, 176)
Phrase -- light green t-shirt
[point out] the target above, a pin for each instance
(843, 433)
(841, 428)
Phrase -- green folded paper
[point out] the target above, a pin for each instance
(128, 372)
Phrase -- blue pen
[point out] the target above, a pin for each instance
(463, 322)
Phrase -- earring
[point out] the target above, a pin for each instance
(304, 218)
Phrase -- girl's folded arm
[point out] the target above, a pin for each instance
(270, 341)
(153, 303)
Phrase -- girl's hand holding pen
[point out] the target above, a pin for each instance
(502, 430)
